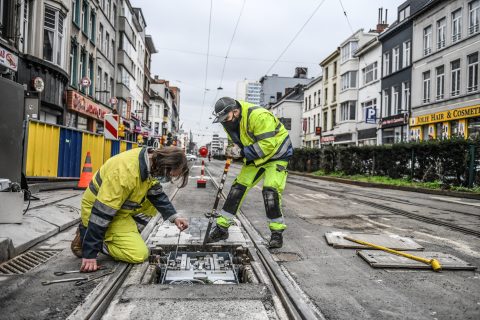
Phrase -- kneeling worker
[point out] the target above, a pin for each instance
(261, 139)
(127, 184)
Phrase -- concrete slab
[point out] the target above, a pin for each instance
(392, 241)
(192, 302)
(381, 259)
(59, 214)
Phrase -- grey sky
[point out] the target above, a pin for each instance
(180, 31)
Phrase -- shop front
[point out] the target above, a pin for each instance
(327, 140)
(460, 122)
(367, 137)
(345, 139)
(85, 114)
(394, 128)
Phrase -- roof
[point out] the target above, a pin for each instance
(149, 44)
(314, 81)
(332, 56)
(367, 46)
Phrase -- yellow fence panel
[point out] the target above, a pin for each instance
(123, 146)
(94, 144)
(107, 151)
(42, 150)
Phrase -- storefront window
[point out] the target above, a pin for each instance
(82, 123)
(474, 128)
(425, 134)
(454, 129)
(388, 136)
(438, 130)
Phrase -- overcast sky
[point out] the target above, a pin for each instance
(180, 33)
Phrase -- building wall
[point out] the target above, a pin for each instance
(291, 109)
(274, 85)
(248, 90)
(430, 117)
(330, 71)
(312, 110)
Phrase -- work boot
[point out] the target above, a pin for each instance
(76, 245)
(276, 240)
(218, 233)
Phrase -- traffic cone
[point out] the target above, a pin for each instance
(87, 173)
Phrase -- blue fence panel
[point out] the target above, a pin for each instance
(129, 145)
(70, 152)
(115, 148)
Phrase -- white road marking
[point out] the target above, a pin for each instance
(300, 197)
(322, 196)
(456, 201)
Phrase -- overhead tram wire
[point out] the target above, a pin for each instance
(296, 36)
(346, 16)
(228, 50)
(206, 65)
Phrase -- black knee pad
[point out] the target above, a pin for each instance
(272, 203)
(234, 198)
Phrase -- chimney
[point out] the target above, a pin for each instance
(386, 16)
(156, 77)
(300, 72)
(381, 25)
(279, 95)
(288, 90)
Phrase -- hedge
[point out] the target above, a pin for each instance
(447, 161)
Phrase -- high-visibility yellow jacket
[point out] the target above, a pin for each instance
(119, 190)
(261, 135)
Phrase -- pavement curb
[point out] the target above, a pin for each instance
(387, 186)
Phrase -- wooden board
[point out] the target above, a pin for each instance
(392, 241)
(382, 259)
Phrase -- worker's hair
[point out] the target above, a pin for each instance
(168, 159)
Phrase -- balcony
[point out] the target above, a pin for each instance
(473, 29)
(124, 26)
(440, 44)
(122, 91)
(456, 37)
(124, 60)
(427, 51)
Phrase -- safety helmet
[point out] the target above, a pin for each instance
(222, 107)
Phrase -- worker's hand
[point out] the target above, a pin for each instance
(89, 265)
(181, 223)
(233, 151)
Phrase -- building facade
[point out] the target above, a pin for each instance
(273, 87)
(369, 59)
(446, 48)
(249, 90)
(312, 109)
(330, 97)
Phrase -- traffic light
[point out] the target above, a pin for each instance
(121, 130)
(169, 139)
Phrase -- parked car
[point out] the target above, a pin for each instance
(191, 157)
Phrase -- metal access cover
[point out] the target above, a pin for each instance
(26, 262)
(392, 241)
(381, 259)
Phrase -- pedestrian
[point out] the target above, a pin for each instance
(258, 137)
(127, 185)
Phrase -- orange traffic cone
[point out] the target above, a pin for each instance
(87, 173)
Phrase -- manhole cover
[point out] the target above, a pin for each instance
(286, 256)
(26, 261)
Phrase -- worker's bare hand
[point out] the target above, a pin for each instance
(181, 223)
(89, 265)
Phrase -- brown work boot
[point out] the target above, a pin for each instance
(76, 245)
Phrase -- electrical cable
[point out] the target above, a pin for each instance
(295, 37)
(206, 65)
(346, 16)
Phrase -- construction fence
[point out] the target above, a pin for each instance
(54, 151)
(454, 162)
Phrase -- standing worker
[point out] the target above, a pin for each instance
(125, 186)
(258, 137)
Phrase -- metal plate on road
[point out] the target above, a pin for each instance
(392, 241)
(381, 259)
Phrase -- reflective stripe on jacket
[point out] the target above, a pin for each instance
(120, 189)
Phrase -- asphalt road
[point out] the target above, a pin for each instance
(344, 286)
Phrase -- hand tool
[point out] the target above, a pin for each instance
(213, 214)
(46, 283)
(61, 273)
(178, 243)
(432, 262)
(90, 279)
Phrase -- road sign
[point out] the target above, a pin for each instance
(371, 115)
(85, 82)
(113, 100)
(318, 131)
(111, 126)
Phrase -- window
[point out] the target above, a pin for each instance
(334, 68)
(395, 99)
(386, 63)
(99, 83)
(369, 73)
(404, 13)
(457, 25)
(92, 26)
(326, 73)
(368, 105)
(105, 88)
(387, 111)
(112, 48)
(319, 100)
(440, 83)
(334, 117)
(90, 75)
(73, 64)
(472, 72)
(75, 11)
(396, 59)
(326, 96)
(23, 15)
(455, 80)
(110, 88)
(426, 87)
(406, 54)
(107, 9)
(306, 103)
(347, 110)
(123, 76)
(334, 97)
(100, 38)
(348, 50)
(53, 30)
(114, 12)
(325, 120)
(441, 32)
(473, 16)
(427, 40)
(405, 96)
(83, 67)
(314, 99)
(309, 102)
(349, 80)
(107, 45)
(84, 20)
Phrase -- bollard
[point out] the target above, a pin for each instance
(202, 183)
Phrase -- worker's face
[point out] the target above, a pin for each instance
(232, 116)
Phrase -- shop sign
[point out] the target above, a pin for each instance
(79, 103)
(394, 121)
(460, 113)
(318, 131)
(8, 59)
(327, 139)
(371, 115)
